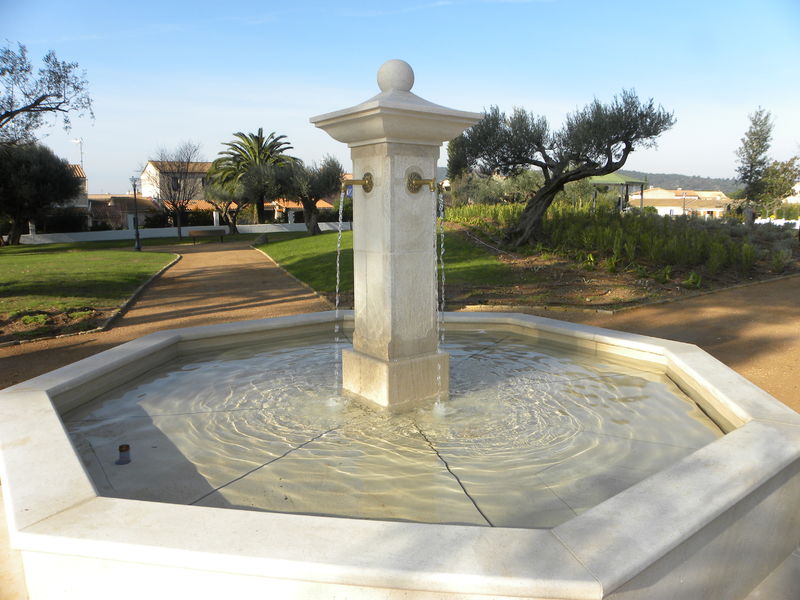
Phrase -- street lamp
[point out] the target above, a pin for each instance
(79, 141)
(137, 244)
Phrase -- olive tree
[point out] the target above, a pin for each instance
(58, 88)
(594, 140)
(314, 183)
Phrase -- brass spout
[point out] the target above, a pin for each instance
(366, 183)
(414, 183)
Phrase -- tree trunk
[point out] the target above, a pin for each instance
(15, 232)
(311, 217)
(527, 229)
(260, 211)
(232, 223)
(178, 223)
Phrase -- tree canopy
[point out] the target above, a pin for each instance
(594, 140)
(57, 88)
(314, 183)
(252, 153)
(752, 153)
(778, 181)
(32, 181)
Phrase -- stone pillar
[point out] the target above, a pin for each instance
(395, 361)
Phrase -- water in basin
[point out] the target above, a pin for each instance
(529, 437)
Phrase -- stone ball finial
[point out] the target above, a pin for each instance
(395, 74)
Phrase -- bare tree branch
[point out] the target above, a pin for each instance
(25, 99)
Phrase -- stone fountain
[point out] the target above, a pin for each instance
(719, 522)
(395, 139)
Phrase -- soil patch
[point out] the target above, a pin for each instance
(547, 279)
(39, 324)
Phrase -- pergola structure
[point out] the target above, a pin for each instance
(620, 181)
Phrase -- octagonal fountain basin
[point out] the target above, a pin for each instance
(530, 435)
(567, 462)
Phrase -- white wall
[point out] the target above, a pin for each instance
(779, 222)
(161, 232)
(273, 228)
(150, 181)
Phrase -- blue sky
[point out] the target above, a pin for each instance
(164, 72)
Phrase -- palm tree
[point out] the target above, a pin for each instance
(250, 152)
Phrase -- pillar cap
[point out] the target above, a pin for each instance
(395, 114)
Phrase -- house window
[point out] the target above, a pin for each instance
(175, 183)
(671, 212)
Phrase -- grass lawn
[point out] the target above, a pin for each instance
(61, 288)
(312, 259)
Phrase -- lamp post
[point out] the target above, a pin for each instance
(137, 244)
(79, 141)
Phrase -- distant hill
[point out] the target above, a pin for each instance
(673, 181)
(669, 181)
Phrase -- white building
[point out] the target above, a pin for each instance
(795, 197)
(158, 174)
(706, 204)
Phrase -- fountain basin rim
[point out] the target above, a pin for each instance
(586, 557)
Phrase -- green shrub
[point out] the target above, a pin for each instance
(747, 258)
(36, 319)
(717, 258)
(664, 275)
(156, 220)
(574, 229)
(693, 281)
(195, 218)
(779, 259)
(611, 264)
(63, 220)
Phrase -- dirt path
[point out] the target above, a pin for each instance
(212, 283)
(755, 330)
